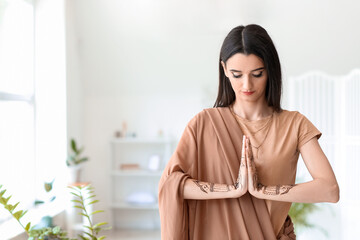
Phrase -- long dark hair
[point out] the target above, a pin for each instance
(250, 39)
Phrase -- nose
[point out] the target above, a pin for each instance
(247, 84)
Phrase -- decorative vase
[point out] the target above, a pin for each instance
(74, 172)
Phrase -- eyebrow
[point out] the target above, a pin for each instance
(233, 70)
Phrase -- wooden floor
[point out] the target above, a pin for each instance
(118, 234)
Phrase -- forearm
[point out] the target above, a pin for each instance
(199, 190)
(317, 190)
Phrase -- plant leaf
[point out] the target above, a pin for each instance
(7, 199)
(84, 159)
(8, 207)
(56, 230)
(92, 202)
(23, 213)
(83, 238)
(92, 196)
(73, 145)
(83, 214)
(37, 202)
(18, 214)
(2, 192)
(80, 207)
(48, 186)
(13, 208)
(97, 211)
(89, 234)
(90, 228)
(27, 227)
(99, 224)
(75, 194)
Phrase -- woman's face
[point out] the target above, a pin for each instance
(247, 75)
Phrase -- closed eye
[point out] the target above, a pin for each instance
(237, 76)
(258, 75)
(255, 75)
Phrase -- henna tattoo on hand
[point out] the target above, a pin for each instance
(255, 181)
(275, 190)
(213, 187)
(237, 184)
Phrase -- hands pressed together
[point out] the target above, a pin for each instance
(247, 178)
(247, 181)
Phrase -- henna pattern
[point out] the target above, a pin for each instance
(275, 190)
(203, 187)
(212, 187)
(237, 184)
(255, 181)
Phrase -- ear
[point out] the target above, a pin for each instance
(224, 67)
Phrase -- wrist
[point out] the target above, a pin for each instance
(256, 193)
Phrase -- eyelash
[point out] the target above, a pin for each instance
(257, 76)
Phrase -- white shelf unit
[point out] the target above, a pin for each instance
(127, 214)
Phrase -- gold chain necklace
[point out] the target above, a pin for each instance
(268, 123)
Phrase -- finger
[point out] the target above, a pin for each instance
(249, 148)
(244, 177)
(242, 169)
(252, 177)
(243, 154)
(243, 148)
(249, 156)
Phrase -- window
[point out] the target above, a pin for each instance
(32, 101)
(17, 131)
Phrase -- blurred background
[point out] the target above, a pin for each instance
(123, 78)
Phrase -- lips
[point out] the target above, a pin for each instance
(248, 93)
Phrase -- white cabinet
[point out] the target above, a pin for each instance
(136, 168)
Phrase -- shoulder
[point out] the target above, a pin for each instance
(202, 118)
(289, 116)
(296, 120)
(203, 114)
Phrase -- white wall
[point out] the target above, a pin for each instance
(154, 63)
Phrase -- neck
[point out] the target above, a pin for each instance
(252, 111)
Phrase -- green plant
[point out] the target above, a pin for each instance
(56, 233)
(299, 213)
(74, 158)
(84, 197)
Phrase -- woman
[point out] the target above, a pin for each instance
(232, 175)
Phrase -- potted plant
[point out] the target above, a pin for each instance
(75, 161)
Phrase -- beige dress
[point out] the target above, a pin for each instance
(210, 150)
